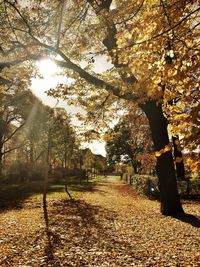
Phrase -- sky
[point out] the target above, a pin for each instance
(50, 73)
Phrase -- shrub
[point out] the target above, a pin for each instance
(21, 172)
(148, 185)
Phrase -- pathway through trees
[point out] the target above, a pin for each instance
(108, 226)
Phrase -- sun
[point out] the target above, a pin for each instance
(47, 68)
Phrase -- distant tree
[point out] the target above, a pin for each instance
(35, 132)
(17, 108)
(63, 138)
(119, 148)
(129, 139)
(87, 160)
(100, 164)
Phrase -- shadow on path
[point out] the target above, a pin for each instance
(13, 196)
(188, 218)
(85, 234)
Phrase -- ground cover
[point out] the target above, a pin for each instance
(107, 224)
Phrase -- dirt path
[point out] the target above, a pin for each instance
(108, 226)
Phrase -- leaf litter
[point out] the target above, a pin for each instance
(109, 226)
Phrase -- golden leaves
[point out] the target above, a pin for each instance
(167, 148)
(110, 223)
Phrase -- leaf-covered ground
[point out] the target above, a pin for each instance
(108, 226)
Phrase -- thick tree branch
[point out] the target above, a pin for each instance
(93, 79)
(11, 63)
(67, 63)
(110, 41)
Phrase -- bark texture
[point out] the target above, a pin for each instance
(180, 170)
(169, 197)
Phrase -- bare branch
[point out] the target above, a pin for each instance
(21, 16)
(13, 133)
(132, 16)
(40, 154)
(60, 23)
(14, 148)
(4, 81)
(98, 6)
(9, 21)
(167, 16)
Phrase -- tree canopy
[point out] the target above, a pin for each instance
(153, 46)
(154, 49)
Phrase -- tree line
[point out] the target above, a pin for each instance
(27, 125)
(154, 50)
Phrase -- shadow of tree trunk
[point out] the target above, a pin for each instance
(49, 246)
(188, 218)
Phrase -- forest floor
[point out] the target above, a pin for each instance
(106, 225)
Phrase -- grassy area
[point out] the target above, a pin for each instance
(13, 195)
(76, 185)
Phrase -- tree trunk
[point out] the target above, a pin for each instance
(169, 197)
(31, 152)
(1, 157)
(180, 170)
(1, 164)
(65, 170)
(134, 165)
